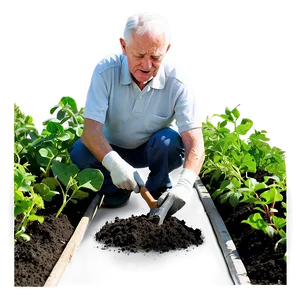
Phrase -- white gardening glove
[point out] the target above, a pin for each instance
(180, 192)
(120, 171)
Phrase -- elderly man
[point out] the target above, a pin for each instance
(140, 112)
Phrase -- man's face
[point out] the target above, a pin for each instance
(145, 55)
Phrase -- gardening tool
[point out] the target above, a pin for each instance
(160, 211)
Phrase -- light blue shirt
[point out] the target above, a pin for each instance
(130, 115)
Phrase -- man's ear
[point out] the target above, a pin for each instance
(170, 48)
(123, 46)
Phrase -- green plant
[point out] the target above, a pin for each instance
(26, 201)
(40, 145)
(232, 163)
(265, 219)
(72, 182)
(43, 168)
(234, 145)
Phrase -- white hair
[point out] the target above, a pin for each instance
(147, 22)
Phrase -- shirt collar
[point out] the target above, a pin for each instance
(158, 82)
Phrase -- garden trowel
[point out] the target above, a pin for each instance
(160, 211)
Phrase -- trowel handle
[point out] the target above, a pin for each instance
(152, 203)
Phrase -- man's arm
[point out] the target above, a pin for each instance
(93, 138)
(194, 149)
(194, 158)
(121, 172)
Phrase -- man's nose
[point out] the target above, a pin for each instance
(146, 64)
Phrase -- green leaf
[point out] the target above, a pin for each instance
(281, 241)
(249, 162)
(245, 190)
(79, 131)
(64, 136)
(256, 221)
(50, 182)
(91, 179)
(23, 181)
(45, 139)
(250, 183)
(30, 178)
(41, 189)
(68, 101)
(80, 119)
(61, 114)
(80, 195)
(225, 196)
(272, 195)
(50, 195)
(267, 178)
(55, 120)
(216, 193)
(259, 209)
(40, 219)
(236, 182)
(38, 201)
(226, 124)
(22, 206)
(283, 204)
(25, 236)
(45, 155)
(260, 186)
(234, 199)
(244, 127)
(19, 196)
(224, 184)
(278, 222)
(270, 230)
(53, 109)
(236, 156)
(217, 158)
(249, 200)
(64, 171)
(282, 233)
(48, 152)
(54, 127)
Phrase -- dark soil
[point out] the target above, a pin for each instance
(35, 259)
(256, 249)
(141, 233)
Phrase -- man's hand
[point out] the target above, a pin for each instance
(180, 192)
(120, 171)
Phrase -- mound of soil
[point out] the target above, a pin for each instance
(141, 233)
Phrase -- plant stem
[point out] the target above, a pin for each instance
(273, 205)
(65, 201)
(48, 167)
(62, 190)
(69, 111)
(25, 218)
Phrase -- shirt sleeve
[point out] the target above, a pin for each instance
(97, 98)
(187, 114)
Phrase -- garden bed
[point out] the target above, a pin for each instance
(35, 259)
(264, 266)
(52, 194)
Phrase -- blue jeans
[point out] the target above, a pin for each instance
(163, 153)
